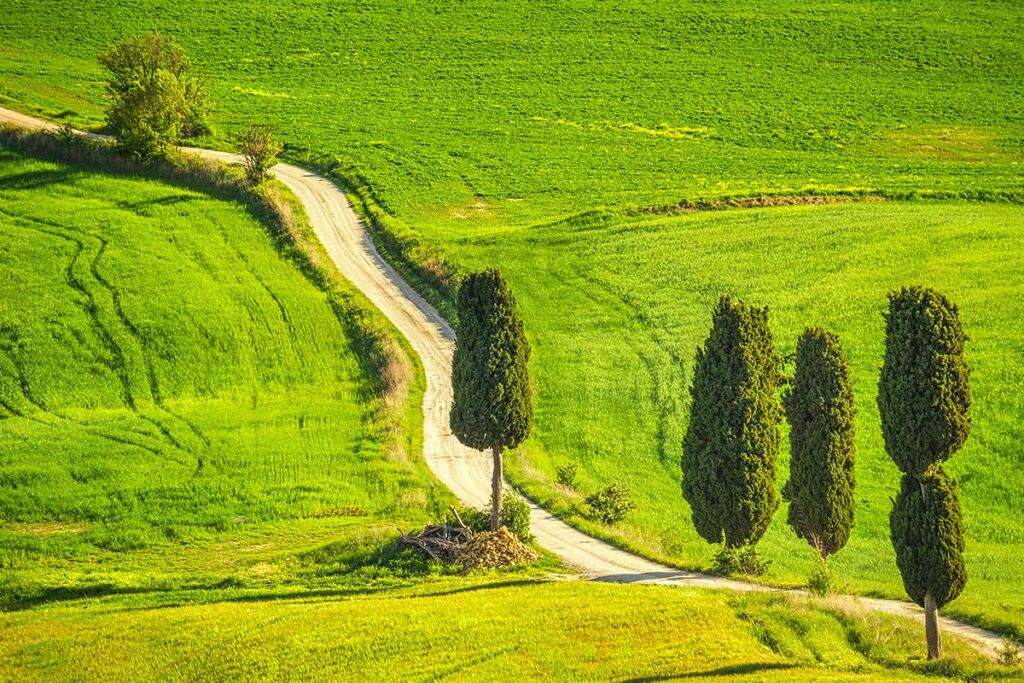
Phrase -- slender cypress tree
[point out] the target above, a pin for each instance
(491, 407)
(924, 397)
(732, 442)
(820, 410)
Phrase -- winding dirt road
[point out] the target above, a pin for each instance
(465, 471)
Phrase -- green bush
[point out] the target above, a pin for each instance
(260, 150)
(567, 475)
(155, 97)
(515, 516)
(611, 504)
(740, 560)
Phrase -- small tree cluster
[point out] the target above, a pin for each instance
(820, 411)
(156, 98)
(924, 398)
(491, 406)
(732, 442)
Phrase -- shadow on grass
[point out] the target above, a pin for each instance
(211, 594)
(735, 670)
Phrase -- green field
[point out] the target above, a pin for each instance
(528, 110)
(468, 630)
(615, 311)
(528, 135)
(167, 376)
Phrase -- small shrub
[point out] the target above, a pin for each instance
(515, 516)
(260, 150)
(611, 504)
(821, 581)
(742, 560)
(476, 520)
(567, 475)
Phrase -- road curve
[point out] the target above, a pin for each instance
(466, 472)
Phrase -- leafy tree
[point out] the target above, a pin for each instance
(924, 394)
(155, 97)
(491, 407)
(820, 409)
(924, 398)
(260, 150)
(732, 442)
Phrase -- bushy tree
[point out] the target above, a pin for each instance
(732, 442)
(924, 398)
(820, 410)
(492, 406)
(924, 394)
(260, 150)
(928, 536)
(156, 98)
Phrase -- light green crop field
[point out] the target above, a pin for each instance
(469, 630)
(167, 376)
(616, 311)
(526, 110)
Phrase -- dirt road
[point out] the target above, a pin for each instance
(467, 472)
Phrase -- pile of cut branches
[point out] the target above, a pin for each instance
(440, 541)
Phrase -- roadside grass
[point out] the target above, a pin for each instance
(616, 309)
(168, 376)
(478, 628)
(472, 113)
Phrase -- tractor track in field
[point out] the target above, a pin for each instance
(464, 471)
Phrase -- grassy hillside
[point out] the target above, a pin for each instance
(482, 126)
(166, 375)
(525, 110)
(616, 310)
(469, 630)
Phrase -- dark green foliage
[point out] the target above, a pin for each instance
(732, 441)
(611, 504)
(155, 97)
(515, 516)
(820, 409)
(491, 406)
(924, 394)
(740, 560)
(568, 475)
(928, 535)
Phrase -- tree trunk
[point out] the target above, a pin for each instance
(931, 626)
(497, 477)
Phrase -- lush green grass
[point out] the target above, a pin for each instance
(468, 118)
(525, 110)
(467, 629)
(616, 309)
(168, 376)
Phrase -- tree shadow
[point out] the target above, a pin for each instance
(734, 670)
(32, 180)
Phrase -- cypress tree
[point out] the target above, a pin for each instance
(491, 406)
(732, 442)
(924, 394)
(924, 398)
(820, 409)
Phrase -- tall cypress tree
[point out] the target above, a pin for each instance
(732, 442)
(491, 407)
(924, 397)
(820, 410)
